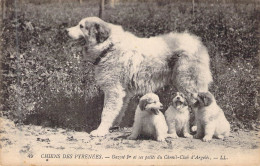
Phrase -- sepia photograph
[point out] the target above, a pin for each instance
(129, 82)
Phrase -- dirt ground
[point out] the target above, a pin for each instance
(35, 145)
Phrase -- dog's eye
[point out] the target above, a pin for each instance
(81, 26)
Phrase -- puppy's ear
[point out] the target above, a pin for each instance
(185, 102)
(142, 104)
(102, 32)
(199, 100)
(207, 99)
(196, 104)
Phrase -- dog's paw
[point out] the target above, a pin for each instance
(160, 139)
(99, 133)
(187, 135)
(173, 136)
(131, 137)
(220, 137)
(206, 138)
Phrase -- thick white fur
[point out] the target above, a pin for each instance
(134, 65)
(177, 117)
(146, 122)
(210, 118)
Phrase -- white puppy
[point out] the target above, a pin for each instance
(177, 117)
(210, 118)
(149, 120)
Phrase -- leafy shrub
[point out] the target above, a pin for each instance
(46, 82)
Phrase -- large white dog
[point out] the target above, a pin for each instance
(127, 65)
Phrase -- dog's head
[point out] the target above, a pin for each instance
(204, 99)
(179, 101)
(150, 102)
(93, 29)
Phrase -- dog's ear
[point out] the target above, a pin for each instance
(142, 104)
(102, 32)
(199, 100)
(196, 104)
(207, 99)
(185, 102)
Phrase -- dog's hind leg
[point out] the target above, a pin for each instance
(112, 105)
(200, 131)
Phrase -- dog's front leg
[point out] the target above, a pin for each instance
(209, 131)
(186, 130)
(112, 105)
(120, 116)
(160, 133)
(172, 129)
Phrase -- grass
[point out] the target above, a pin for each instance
(45, 81)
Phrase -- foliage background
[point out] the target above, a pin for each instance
(46, 82)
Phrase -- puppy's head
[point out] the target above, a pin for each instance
(179, 101)
(204, 99)
(150, 102)
(93, 29)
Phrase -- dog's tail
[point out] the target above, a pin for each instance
(191, 65)
(194, 128)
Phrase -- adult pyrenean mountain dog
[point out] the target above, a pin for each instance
(126, 65)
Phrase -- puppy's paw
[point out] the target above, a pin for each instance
(220, 137)
(132, 137)
(206, 138)
(173, 136)
(160, 139)
(99, 133)
(227, 134)
(187, 135)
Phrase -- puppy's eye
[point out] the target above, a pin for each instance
(81, 26)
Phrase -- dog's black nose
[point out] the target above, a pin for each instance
(178, 98)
